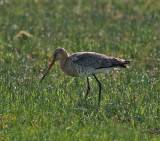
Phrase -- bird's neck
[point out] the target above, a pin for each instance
(63, 61)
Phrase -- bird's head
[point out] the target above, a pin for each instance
(59, 53)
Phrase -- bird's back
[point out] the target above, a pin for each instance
(96, 60)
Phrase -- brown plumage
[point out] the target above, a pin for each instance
(85, 64)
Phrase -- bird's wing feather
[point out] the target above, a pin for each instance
(92, 60)
(97, 61)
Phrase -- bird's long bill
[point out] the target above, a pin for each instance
(50, 66)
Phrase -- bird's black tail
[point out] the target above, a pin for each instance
(125, 63)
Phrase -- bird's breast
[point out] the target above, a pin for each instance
(76, 70)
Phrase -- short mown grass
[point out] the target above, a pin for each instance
(56, 109)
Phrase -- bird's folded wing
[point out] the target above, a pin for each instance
(92, 60)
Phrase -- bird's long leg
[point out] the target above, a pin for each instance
(88, 89)
(99, 83)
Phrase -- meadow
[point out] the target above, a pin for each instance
(56, 109)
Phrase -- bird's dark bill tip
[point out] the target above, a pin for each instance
(42, 79)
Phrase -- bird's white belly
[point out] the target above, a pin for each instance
(88, 73)
(85, 74)
(103, 70)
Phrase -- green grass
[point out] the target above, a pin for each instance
(56, 109)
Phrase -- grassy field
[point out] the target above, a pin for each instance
(56, 109)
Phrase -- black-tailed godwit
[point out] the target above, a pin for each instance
(85, 64)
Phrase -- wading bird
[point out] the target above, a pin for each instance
(85, 64)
